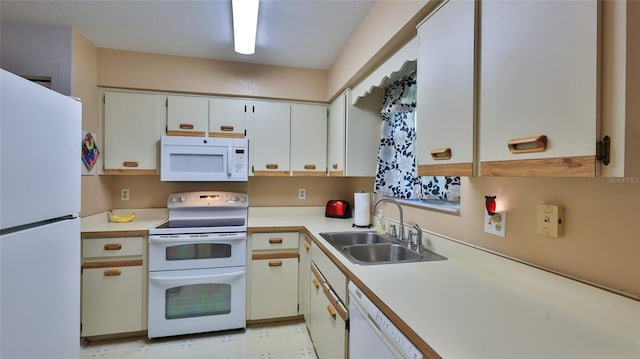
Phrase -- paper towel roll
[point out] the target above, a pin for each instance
(361, 204)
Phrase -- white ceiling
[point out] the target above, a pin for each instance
(298, 33)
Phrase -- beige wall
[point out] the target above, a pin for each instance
(96, 190)
(600, 242)
(148, 191)
(388, 26)
(136, 70)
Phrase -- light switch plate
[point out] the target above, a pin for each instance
(496, 224)
(549, 221)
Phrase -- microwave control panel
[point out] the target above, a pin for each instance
(240, 163)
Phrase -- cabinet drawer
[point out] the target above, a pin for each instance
(279, 240)
(112, 247)
(274, 288)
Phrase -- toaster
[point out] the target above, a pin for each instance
(337, 208)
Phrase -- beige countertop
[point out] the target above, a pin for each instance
(479, 305)
(473, 305)
(145, 218)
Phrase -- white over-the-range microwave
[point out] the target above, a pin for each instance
(184, 158)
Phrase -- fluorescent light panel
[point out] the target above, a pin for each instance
(245, 23)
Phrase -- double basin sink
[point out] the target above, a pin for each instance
(372, 248)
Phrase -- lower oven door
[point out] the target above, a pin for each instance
(197, 300)
(194, 251)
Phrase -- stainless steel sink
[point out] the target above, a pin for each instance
(345, 239)
(372, 248)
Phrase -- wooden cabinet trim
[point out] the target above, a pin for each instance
(309, 173)
(285, 255)
(108, 264)
(450, 169)
(130, 172)
(271, 173)
(185, 133)
(584, 166)
(226, 134)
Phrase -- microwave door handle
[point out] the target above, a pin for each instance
(195, 279)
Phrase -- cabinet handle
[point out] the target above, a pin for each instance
(130, 163)
(332, 311)
(441, 153)
(272, 166)
(528, 144)
(275, 240)
(112, 272)
(335, 166)
(316, 283)
(310, 167)
(226, 128)
(275, 263)
(306, 246)
(112, 246)
(186, 126)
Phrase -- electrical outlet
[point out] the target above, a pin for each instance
(495, 224)
(124, 194)
(550, 218)
(302, 193)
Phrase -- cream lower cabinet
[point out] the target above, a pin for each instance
(304, 276)
(113, 286)
(328, 315)
(273, 291)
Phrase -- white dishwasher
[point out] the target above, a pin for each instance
(371, 333)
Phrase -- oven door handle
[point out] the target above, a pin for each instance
(195, 279)
(190, 240)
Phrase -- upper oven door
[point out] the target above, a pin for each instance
(193, 251)
(203, 159)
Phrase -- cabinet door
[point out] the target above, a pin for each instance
(269, 140)
(133, 125)
(445, 113)
(187, 116)
(362, 135)
(228, 117)
(304, 276)
(328, 330)
(538, 84)
(112, 300)
(335, 136)
(308, 140)
(274, 287)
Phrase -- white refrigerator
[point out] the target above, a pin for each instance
(40, 159)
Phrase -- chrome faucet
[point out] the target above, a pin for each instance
(401, 231)
(419, 238)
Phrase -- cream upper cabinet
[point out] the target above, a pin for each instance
(621, 87)
(335, 134)
(268, 130)
(308, 140)
(187, 116)
(228, 116)
(445, 98)
(133, 125)
(538, 99)
(354, 135)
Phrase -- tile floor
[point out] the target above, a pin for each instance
(275, 342)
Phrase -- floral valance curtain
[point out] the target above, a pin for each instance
(396, 173)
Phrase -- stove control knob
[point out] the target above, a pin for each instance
(182, 199)
(173, 199)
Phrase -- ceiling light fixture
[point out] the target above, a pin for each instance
(245, 24)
